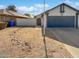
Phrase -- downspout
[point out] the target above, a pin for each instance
(77, 25)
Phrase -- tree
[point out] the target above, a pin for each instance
(12, 8)
(27, 14)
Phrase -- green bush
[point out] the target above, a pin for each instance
(6, 24)
(3, 25)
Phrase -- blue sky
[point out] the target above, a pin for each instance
(35, 6)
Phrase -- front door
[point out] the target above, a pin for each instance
(39, 22)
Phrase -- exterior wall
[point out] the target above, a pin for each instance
(1, 18)
(78, 21)
(45, 20)
(6, 18)
(56, 12)
(1, 11)
(25, 22)
(42, 20)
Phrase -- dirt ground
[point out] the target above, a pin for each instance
(56, 49)
(28, 42)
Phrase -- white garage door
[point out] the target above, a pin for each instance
(25, 22)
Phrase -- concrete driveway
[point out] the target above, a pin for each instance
(68, 36)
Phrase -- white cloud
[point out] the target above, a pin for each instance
(2, 7)
(39, 8)
(24, 8)
(74, 4)
(67, 1)
(34, 9)
(77, 3)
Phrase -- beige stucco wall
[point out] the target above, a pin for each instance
(56, 12)
(78, 21)
(6, 18)
(42, 19)
(25, 22)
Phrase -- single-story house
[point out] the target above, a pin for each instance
(62, 15)
(20, 19)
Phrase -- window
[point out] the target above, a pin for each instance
(62, 9)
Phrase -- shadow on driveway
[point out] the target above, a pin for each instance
(69, 36)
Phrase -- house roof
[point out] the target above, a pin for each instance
(12, 14)
(58, 6)
(64, 5)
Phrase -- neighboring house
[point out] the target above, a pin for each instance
(6, 15)
(62, 15)
(20, 19)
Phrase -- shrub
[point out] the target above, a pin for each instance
(3, 25)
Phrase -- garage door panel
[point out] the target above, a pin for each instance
(60, 21)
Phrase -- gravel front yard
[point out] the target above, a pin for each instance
(21, 42)
(28, 42)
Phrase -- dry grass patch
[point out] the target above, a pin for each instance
(56, 49)
(21, 42)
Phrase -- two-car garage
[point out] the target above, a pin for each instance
(60, 21)
(61, 16)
